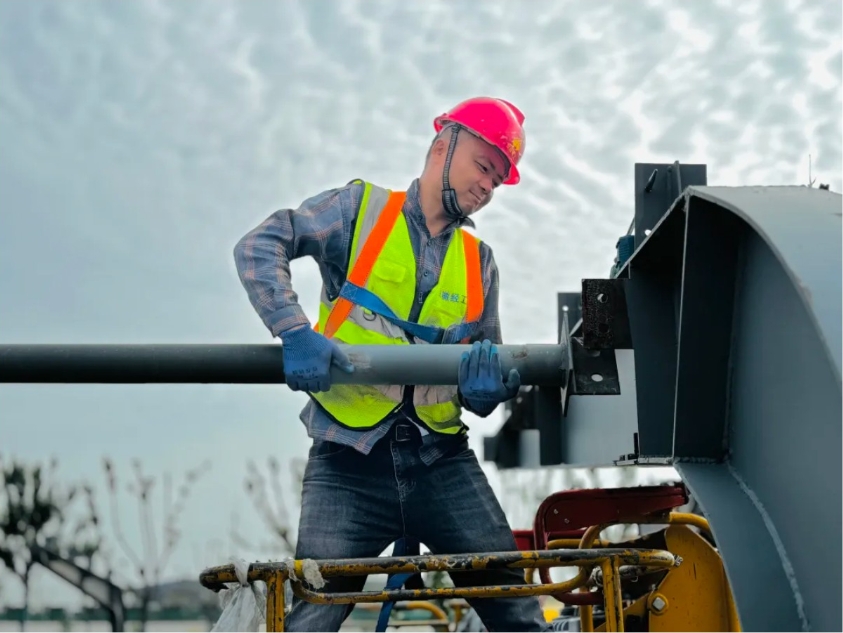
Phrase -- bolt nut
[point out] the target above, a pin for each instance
(658, 604)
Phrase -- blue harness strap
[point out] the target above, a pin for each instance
(406, 546)
(430, 334)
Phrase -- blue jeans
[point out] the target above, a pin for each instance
(356, 505)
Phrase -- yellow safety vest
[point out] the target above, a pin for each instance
(382, 262)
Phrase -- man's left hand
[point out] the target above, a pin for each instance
(481, 381)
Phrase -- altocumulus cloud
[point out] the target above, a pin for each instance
(140, 140)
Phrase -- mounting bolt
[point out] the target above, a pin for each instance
(658, 604)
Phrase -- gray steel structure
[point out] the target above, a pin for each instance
(726, 325)
(717, 346)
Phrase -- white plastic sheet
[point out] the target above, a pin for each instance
(243, 604)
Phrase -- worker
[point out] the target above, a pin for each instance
(398, 268)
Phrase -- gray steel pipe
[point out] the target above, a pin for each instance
(542, 364)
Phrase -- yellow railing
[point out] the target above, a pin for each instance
(276, 574)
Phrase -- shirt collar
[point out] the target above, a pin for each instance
(412, 208)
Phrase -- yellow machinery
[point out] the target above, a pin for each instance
(672, 579)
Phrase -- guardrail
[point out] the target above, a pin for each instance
(609, 560)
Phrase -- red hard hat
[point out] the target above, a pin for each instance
(497, 122)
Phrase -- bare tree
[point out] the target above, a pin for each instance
(35, 511)
(151, 559)
(270, 501)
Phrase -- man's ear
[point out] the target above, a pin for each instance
(440, 146)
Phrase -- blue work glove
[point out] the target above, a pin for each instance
(481, 382)
(308, 356)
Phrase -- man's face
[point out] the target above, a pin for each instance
(477, 169)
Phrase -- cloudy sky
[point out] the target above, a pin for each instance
(140, 140)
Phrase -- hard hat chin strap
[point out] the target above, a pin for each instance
(449, 196)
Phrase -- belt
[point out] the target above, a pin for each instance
(405, 432)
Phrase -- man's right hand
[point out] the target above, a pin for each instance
(308, 357)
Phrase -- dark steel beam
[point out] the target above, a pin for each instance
(653, 296)
(542, 365)
(536, 409)
(705, 330)
(657, 185)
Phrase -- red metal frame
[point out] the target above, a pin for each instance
(524, 540)
(567, 514)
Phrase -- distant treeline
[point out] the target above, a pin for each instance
(91, 614)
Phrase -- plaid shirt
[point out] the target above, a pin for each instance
(323, 227)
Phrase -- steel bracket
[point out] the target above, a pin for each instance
(605, 323)
(595, 370)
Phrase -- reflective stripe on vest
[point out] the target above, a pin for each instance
(382, 266)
